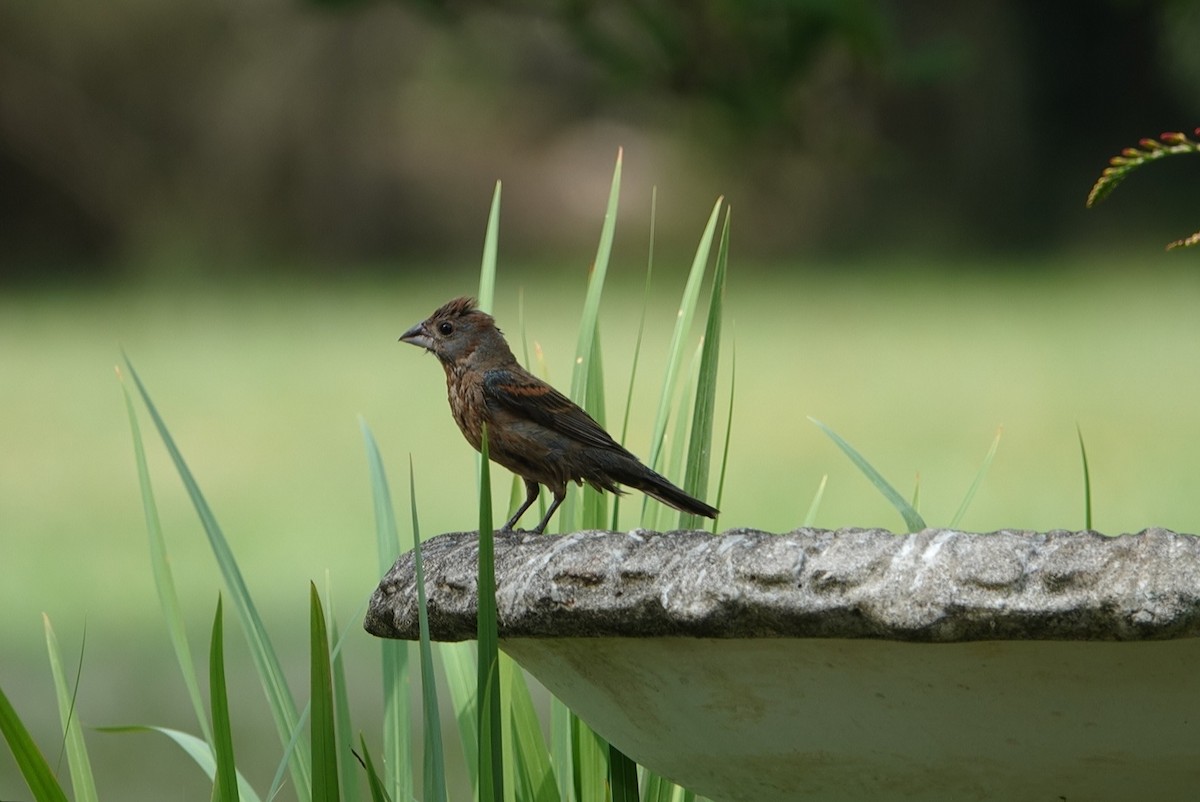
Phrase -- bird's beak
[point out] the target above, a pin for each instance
(418, 336)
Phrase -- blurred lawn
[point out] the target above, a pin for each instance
(262, 386)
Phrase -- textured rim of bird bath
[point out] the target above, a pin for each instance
(852, 664)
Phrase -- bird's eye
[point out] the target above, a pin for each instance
(445, 327)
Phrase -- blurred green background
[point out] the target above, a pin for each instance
(254, 200)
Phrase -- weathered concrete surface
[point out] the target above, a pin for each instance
(937, 585)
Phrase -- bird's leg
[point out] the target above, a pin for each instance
(559, 495)
(532, 489)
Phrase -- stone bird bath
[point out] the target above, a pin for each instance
(852, 664)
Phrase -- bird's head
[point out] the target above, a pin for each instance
(455, 331)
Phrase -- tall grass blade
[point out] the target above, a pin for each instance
(29, 759)
(266, 661)
(515, 785)
(622, 774)
(536, 366)
(394, 653)
(562, 749)
(323, 734)
(164, 580)
(811, 515)
(491, 247)
(591, 763)
(658, 789)
(491, 757)
(530, 756)
(286, 758)
(587, 387)
(595, 506)
(460, 663)
(1087, 481)
(225, 782)
(683, 323)
(374, 783)
(728, 436)
(695, 478)
(347, 771)
(434, 765)
(591, 304)
(978, 481)
(198, 750)
(82, 780)
(492, 763)
(677, 441)
(911, 517)
(637, 344)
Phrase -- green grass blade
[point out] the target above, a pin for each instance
(515, 786)
(374, 783)
(683, 323)
(562, 749)
(678, 440)
(285, 759)
(460, 665)
(434, 766)
(29, 759)
(164, 579)
(637, 343)
(266, 661)
(530, 756)
(695, 478)
(595, 505)
(487, 269)
(491, 762)
(811, 515)
(1087, 481)
(393, 653)
(348, 774)
(658, 789)
(978, 481)
(587, 384)
(591, 304)
(538, 368)
(591, 763)
(491, 758)
(225, 781)
(911, 517)
(195, 748)
(82, 779)
(728, 436)
(323, 734)
(622, 775)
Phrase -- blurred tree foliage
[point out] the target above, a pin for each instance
(142, 136)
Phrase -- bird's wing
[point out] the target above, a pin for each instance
(528, 396)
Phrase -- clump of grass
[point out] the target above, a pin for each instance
(507, 755)
(908, 510)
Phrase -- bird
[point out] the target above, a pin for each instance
(533, 430)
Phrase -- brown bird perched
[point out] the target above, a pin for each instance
(533, 430)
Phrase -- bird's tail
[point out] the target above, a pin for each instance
(639, 477)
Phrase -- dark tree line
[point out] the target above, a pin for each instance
(138, 136)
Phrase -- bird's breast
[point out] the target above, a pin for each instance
(465, 393)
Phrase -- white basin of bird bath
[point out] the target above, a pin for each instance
(853, 665)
